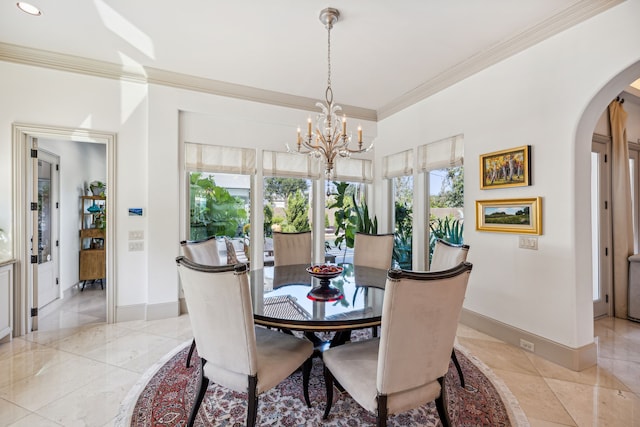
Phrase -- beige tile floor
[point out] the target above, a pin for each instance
(76, 370)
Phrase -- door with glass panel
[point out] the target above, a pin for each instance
(48, 287)
(601, 228)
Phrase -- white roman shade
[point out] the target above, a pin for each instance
(441, 154)
(216, 158)
(399, 164)
(276, 163)
(353, 170)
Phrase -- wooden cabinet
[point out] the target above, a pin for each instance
(92, 239)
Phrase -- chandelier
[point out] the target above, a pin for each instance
(330, 137)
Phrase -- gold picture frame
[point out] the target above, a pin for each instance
(519, 216)
(506, 168)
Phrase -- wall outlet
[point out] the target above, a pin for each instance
(527, 345)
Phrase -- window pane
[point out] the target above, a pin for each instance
(446, 203)
(403, 228)
(287, 204)
(219, 206)
(340, 224)
(595, 225)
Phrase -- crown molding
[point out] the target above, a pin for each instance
(148, 75)
(577, 13)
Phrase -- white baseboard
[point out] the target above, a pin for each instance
(166, 310)
(163, 310)
(127, 313)
(576, 359)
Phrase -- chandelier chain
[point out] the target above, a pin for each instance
(329, 90)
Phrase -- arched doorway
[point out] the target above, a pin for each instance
(583, 193)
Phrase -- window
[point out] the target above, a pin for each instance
(219, 204)
(446, 204)
(403, 217)
(398, 169)
(219, 191)
(340, 221)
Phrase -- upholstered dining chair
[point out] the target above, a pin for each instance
(373, 250)
(204, 252)
(291, 248)
(201, 251)
(405, 367)
(447, 255)
(234, 353)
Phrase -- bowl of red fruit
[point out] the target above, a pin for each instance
(325, 271)
(325, 291)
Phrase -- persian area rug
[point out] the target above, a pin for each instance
(164, 396)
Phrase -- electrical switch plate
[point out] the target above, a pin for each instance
(527, 242)
(136, 235)
(136, 246)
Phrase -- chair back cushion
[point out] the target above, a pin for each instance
(420, 314)
(203, 252)
(447, 255)
(292, 248)
(219, 303)
(373, 250)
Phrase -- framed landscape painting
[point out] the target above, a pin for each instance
(520, 216)
(506, 168)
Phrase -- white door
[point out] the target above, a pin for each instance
(48, 286)
(601, 228)
(44, 230)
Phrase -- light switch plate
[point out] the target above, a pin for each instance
(136, 235)
(528, 242)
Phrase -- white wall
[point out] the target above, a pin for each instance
(80, 163)
(35, 95)
(537, 97)
(545, 97)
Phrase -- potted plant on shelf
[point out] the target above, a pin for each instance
(98, 188)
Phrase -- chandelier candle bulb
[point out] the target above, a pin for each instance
(309, 126)
(344, 125)
(360, 135)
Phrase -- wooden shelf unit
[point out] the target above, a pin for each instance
(92, 241)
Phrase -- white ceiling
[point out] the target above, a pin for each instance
(385, 55)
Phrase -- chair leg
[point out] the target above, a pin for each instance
(306, 373)
(252, 411)
(441, 405)
(204, 383)
(328, 381)
(382, 410)
(458, 368)
(193, 346)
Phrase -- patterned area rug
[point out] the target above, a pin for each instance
(164, 398)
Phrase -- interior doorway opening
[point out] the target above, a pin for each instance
(66, 141)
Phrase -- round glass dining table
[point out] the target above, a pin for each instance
(280, 297)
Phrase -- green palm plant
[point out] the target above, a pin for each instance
(449, 229)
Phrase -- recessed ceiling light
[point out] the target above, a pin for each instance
(28, 8)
